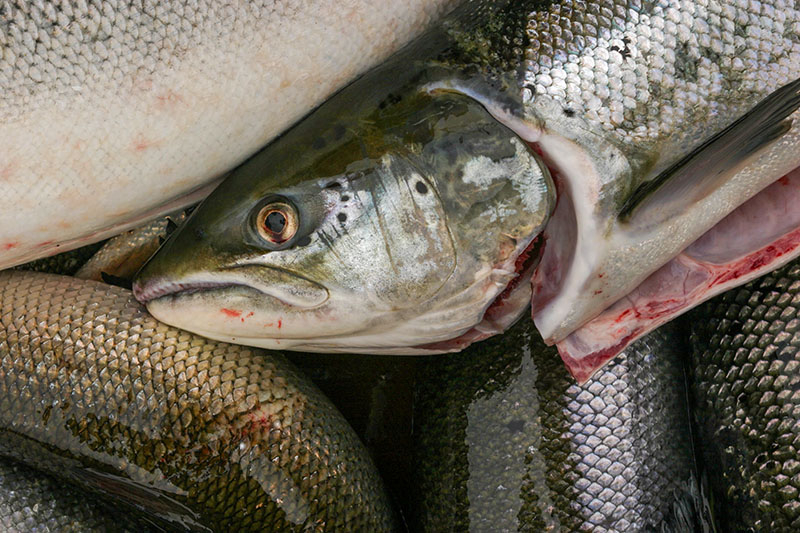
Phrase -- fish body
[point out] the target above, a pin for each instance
(196, 435)
(506, 441)
(113, 112)
(745, 382)
(650, 124)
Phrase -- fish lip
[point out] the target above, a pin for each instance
(152, 290)
(287, 287)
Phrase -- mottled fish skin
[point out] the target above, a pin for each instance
(113, 111)
(34, 502)
(745, 377)
(506, 441)
(412, 212)
(201, 435)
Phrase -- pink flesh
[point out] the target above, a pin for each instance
(559, 237)
(761, 235)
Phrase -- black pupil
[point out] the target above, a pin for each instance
(275, 222)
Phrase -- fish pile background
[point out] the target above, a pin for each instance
(111, 420)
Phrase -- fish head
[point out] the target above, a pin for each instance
(383, 234)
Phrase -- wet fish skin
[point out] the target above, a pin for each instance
(34, 502)
(113, 112)
(506, 441)
(614, 96)
(745, 376)
(201, 435)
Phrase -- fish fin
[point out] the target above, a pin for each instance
(171, 226)
(709, 165)
(690, 511)
(728, 255)
(111, 279)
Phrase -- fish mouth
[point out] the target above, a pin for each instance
(289, 288)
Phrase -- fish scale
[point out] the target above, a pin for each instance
(643, 69)
(746, 382)
(201, 435)
(506, 441)
(33, 502)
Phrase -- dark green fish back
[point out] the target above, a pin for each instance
(203, 433)
(746, 387)
(493, 38)
(506, 441)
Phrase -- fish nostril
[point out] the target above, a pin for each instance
(342, 217)
(421, 187)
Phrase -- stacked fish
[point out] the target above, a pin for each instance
(608, 165)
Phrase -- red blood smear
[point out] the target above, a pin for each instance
(233, 313)
(10, 245)
(519, 266)
(582, 369)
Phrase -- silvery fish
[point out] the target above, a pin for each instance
(613, 163)
(506, 441)
(113, 112)
(745, 377)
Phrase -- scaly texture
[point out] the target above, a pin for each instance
(649, 70)
(203, 433)
(33, 502)
(746, 384)
(111, 109)
(508, 442)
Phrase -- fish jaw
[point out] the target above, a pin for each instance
(338, 320)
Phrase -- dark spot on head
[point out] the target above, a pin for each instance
(342, 217)
(421, 187)
(318, 143)
(345, 197)
(304, 241)
(333, 185)
(338, 131)
(569, 112)
(199, 233)
(515, 426)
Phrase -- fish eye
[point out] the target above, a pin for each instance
(277, 222)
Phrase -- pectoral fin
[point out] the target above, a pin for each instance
(758, 237)
(711, 164)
